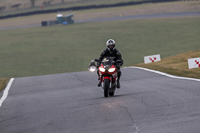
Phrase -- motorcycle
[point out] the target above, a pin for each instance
(107, 74)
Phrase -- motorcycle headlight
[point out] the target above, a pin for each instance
(102, 69)
(111, 70)
(92, 69)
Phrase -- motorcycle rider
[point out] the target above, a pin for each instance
(111, 51)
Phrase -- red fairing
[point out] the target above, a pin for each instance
(107, 78)
(112, 74)
(108, 72)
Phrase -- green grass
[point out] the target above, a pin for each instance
(62, 49)
(3, 83)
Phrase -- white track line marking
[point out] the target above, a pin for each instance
(165, 74)
(5, 93)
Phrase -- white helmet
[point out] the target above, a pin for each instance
(110, 42)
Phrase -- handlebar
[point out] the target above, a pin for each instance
(117, 61)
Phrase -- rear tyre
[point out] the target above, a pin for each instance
(106, 87)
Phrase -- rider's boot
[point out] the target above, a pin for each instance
(99, 84)
(118, 78)
(118, 84)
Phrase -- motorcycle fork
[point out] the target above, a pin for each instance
(106, 77)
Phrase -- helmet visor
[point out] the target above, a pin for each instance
(110, 46)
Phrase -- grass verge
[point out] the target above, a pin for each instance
(3, 83)
(176, 65)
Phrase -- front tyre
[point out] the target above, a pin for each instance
(106, 86)
(112, 93)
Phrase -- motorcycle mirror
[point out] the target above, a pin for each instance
(92, 68)
(118, 61)
(97, 60)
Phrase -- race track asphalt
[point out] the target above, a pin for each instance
(147, 102)
(146, 16)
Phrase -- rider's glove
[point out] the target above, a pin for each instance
(98, 64)
(118, 65)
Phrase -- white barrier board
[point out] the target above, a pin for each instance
(194, 63)
(152, 58)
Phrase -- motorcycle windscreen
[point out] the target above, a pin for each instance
(107, 61)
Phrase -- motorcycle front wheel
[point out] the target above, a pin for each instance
(106, 87)
(111, 93)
